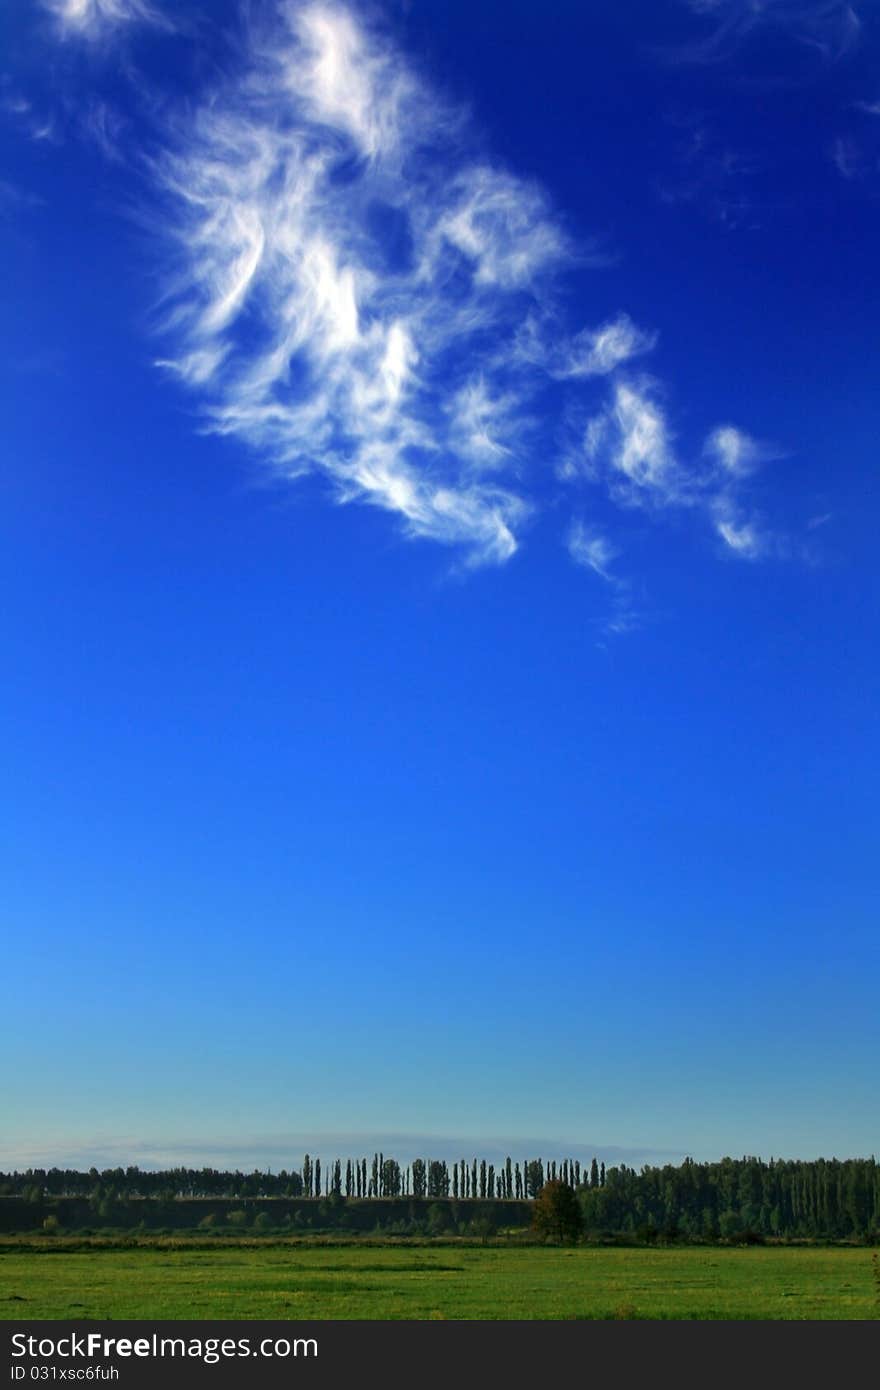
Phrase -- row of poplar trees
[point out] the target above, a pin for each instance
(385, 1177)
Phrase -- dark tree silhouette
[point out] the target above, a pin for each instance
(557, 1212)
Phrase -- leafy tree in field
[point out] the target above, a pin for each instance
(557, 1212)
(317, 1177)
(594, 1174)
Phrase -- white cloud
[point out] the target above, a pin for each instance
(634, 438)
(737, 453)
(480, 423)
(591, 550)
(600, 351)
(355, 294)
(630, 446)
(343, 81)
(94, 18)
(502, 226)
(311, 340)
(743, 538)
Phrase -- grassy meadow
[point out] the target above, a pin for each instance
(422, 1281)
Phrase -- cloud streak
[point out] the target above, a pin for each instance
(246, 1152)
(94, 19)
(355, 291)
(830, 27)
(344, 276)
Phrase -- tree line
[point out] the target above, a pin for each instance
(732, 1198)
(826, 1198)
(359, 1178)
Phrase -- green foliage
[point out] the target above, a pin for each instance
(743, 1199)
(556, 1214)
(419, 1178)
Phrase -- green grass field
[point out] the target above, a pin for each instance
(436, 1281)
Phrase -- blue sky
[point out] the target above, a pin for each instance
(438, 507)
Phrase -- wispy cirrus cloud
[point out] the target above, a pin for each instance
(631, 440)
(93, 19)
(598, 352)
(355, 290)
(830, 27)
(631, 447)
(743, 537)
(36, 124)
(346, 273)
(591, 550)
(736, 453)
